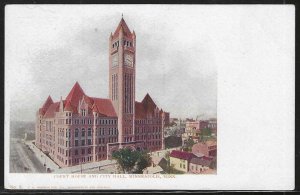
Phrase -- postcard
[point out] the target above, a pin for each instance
(137, 96)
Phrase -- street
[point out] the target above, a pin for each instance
(23, 159)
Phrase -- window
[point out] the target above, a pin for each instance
(83, 112)
(89, 151)
(76, 152)
(76, 132)
(89, 142)
(82, 132)
(76, 142)
(89, 132)
(82, 142)
(82, 151)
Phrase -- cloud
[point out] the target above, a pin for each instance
(178, 72)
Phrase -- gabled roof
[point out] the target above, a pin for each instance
(75, 95)
(99, 105)
(122, 26)
(148, 103)
(46, 105)
(69, 107)
(104, 106)
(51, 110)
(182, 155)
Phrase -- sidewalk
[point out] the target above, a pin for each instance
(43, 158)
(74, 169)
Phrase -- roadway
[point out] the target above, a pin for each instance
(23, 159)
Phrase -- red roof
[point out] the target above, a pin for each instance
(122, 26)
(140, 112)
(75, 95)
(146, 106)
(69, 107)
(99, 105)
(51, 110)
(148, 103)
(104, 106)
(46, 105)
(182, 155)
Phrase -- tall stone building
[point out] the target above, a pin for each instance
(80, 128)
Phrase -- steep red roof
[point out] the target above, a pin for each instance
(122, 26)
(69, 107)
(46, 105)
(140, 112)
(182, 155)
(51, 110)
(104, 106)
(148, 103)
(146, 106)
(99, 105)
(75, 95)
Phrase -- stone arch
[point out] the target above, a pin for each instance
(131, 147)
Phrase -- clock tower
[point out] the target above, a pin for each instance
(122, 47)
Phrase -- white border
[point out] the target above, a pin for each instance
(255, 127)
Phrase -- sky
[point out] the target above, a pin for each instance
(50, 47)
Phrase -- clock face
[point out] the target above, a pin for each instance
(128, 59)
(115, 60)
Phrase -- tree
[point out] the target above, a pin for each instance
(205, 134)
(167, 157)
(144, 160)
(188, 145)
(132, 161)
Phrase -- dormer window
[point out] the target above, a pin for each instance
(83, 113)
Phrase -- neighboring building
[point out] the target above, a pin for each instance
(212, 124)
(83, 129)
(158, 166)
(200, 164)
(180, 160)
(209, 148)
(159, 161)
(193, 129)
(175, 128)
(153, 170)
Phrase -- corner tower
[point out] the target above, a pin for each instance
(122, 47)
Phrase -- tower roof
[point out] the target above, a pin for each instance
(75, 95)
(46, 105)
(122, 26)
